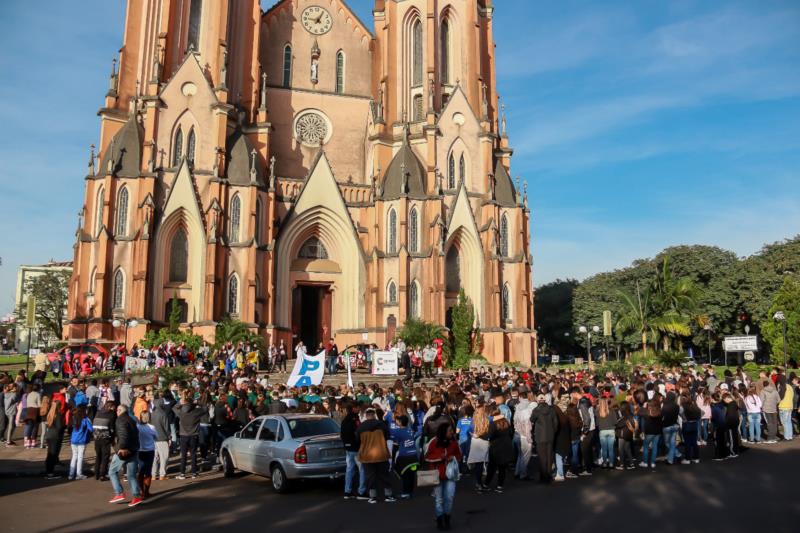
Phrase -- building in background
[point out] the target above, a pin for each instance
(305, 174)
(25, 273)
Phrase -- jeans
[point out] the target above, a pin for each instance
(625, 452)
(161, 459)
(786, 422)
(671, 443)
(102, 453)
(574, 456)
(772, 425)
(352, 464)
(523, 458)
(754, 421)
(704, 429)
(130, 464)
(444, 494)
(690, 441)
(189, 444)
(607, 446)
(560, 465)
(76, 463)
(330, 364)
(53, 450)
(650, 449)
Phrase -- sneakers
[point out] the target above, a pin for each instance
(389, 499)
(719, 458)
(630, 467)
(619, 467)
(585, 473)
(499, 489)
(119, 498)
(52, 476)
(362, 497)
(559, 478)
(135, 502)
(642, 465)
(686, 462)
(372, 500)
(180, 476)
(405, 496)
(696, 461)
(81, 477)
(349, 497)
(570, 475)
(653, 466)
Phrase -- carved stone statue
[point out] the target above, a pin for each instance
(223, 71)
(314, 71)
(272, 172)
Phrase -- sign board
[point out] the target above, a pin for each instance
(579, 360)
(554, 359)
(749, 356)
(741, 343)
(34, 351)
(30, 316)
(384, 363)
(133, 364)
(365, 337)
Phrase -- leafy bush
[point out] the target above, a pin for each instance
(416, 332)
(639, 359)
(670, 359)
(155, 338)
(167, 375)
(236, 331)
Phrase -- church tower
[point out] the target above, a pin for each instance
(301, 172)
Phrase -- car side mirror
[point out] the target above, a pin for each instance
(238, 434)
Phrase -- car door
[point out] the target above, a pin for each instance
(264, 447)
(243, 445)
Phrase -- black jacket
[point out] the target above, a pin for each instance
(188, 419)
(127, 433)
(545, 423)
(104, 424)
(501, 445)
(348, 432)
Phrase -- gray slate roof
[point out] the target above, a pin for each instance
(239, 149)
(415, 170)
(504, 191)
(127, 152)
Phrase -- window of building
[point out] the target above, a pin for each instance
(413, 300)
(505, 304)
(452, 271)
(100, 211)
(118, 294)
(451, 172)
(195, 16)
(179, 258)
(236, 218)
(340, 72)
(313, 249)
(391, 293)
(122, 213)
(257, 232)
(504, 236)
(412, 231)
(177, 151)
(419, 110)
(417, 54)
(233, 295)
(445, 52)
(190, 145)
(391, 244)
(287, 66)
(462, 170)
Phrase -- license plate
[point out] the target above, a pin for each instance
(334, 453)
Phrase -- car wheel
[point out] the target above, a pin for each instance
(279, 481)
(227, 464)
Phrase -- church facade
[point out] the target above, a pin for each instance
(310, 176)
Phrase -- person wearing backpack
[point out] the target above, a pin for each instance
(103, 426)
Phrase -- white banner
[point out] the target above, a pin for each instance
(308, 370)
(132, 364)
(384, 363)
(741, 344)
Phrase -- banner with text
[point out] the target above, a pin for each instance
(308, 370)
(384, 363)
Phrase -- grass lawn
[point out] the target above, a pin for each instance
(13, 359)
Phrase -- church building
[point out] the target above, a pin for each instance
(306, 173)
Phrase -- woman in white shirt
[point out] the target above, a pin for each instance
(753, 404)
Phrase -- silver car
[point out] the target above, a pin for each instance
(285, 448)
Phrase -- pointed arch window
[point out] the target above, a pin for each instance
(413, 244)
(451, 172)
(391, 243)
(93, 281)
(177, 150)
(257, 232)
(236, 218)
(413, 300)
(416, 68)
(121, 228)
(462, 170)
(258, 287)
(391, 293)
(191, 141)
(505, 310)
(452, 271)
(118, 294)
(445, 52)
(179, 258)
(195, 17)
(504, 236)
(340, 72)
(287, 65)
(313, 249)
(100, 211)
(233, 295)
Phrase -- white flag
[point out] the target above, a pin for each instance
(308, 370)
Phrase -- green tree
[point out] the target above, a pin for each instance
(786, 301)
(174, 315)
(416, 332)
(463, 326)
(553, 309)
(51, 292)
(235, 331)
(674, 303)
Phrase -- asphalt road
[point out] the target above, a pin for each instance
(755, 492)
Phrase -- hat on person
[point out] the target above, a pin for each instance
(723, 386)
(541, 398)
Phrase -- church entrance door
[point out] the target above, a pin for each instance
(311, 314)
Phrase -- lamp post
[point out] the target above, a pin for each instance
(707, 327)
(780, 317)
(132, 323)
(588, 332)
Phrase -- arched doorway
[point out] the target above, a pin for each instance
(463, 270)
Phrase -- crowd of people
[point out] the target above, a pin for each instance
(485, 423)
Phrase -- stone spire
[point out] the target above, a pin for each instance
(263, 92)
(253, 174)
(112, 79)
(92, 157)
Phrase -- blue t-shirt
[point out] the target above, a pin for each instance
(465, 429)
(404, 442)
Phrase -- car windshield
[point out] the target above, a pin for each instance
(309, 427)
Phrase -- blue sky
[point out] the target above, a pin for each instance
(637, 124)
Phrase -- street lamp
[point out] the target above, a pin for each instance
(708, 328)
(585, 330)
(780, 317)
(132, 323)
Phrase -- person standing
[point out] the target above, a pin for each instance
(283, 355)
(691, 414)
(126, 458)
(54, 436)
(147, 451)
(188, 415)
(104, 429)
(769, 406)
(545, 425)
(428, 355)
(406, 460)
(444, 456)
(786, 406)
(753, 404)
(373, 452)
(161, 421)
(501, 449)
(348, 429)
(81, 433)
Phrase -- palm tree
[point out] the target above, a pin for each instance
(674, 303)
(642, 317)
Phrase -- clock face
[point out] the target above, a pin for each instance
(317, 20)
